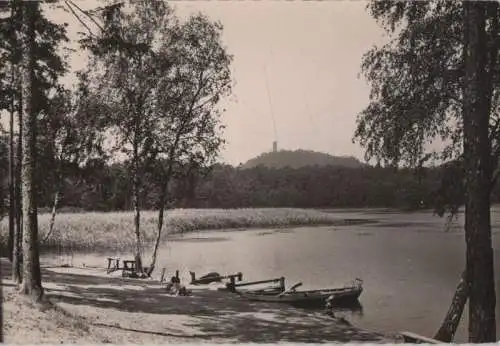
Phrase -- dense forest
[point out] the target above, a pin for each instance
(105, 187)
(301, 158)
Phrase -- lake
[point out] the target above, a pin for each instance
(409, 264)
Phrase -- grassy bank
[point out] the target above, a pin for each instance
(95, 231)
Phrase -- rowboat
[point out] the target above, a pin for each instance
(310, 298)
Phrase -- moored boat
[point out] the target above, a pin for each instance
(308, 298)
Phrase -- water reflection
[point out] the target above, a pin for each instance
(345, 308)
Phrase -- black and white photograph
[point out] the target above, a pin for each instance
(249, 171)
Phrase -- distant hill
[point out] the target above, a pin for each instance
(301, 158)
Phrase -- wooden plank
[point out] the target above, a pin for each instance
(257, 282)
(414, 338)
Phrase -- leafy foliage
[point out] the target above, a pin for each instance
(437, 78)
(163, 79)
(50, 64)
(417, 82)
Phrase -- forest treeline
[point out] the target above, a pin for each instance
(99, 186)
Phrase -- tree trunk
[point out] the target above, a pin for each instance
(450, 324)
(32, 283)
(477, 157)
(161, 211)
(12, 198)
(12, 177)
(137, 217)
(18, 234)
(53, 214)
(191, 189)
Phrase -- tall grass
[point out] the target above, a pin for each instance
(96, 231)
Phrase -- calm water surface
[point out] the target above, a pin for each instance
(409, 264)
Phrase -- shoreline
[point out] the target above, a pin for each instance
(109, 308)
(50, 250)
(100, 232)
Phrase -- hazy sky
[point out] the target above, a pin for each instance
(309, 51)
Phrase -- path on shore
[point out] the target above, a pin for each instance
(142, 309)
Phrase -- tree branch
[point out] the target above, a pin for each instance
(88, 15)
(78, 17)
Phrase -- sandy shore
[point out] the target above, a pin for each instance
(98, 308)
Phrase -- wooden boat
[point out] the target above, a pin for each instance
(308, 298)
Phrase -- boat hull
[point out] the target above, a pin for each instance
(316, 298)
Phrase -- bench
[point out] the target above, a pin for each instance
(113, 264)
(129, 265)
(412, 338)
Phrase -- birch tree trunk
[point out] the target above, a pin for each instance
(53, 215)
(136, 187)
(161, 213)
(137, 226)
(450, 324)
(57, 194)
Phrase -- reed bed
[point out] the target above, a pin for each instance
(97, 231)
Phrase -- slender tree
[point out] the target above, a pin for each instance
(126, 50)
(9, 55)
(12, 182)
(437, 78)
(49, 65)
(190, 128)
(73, 137)
(32, 281)
(18, 234)
(16, 21)
(449, 327)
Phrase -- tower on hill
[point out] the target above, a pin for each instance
(275, 146)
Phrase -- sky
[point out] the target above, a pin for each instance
(298, 61)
